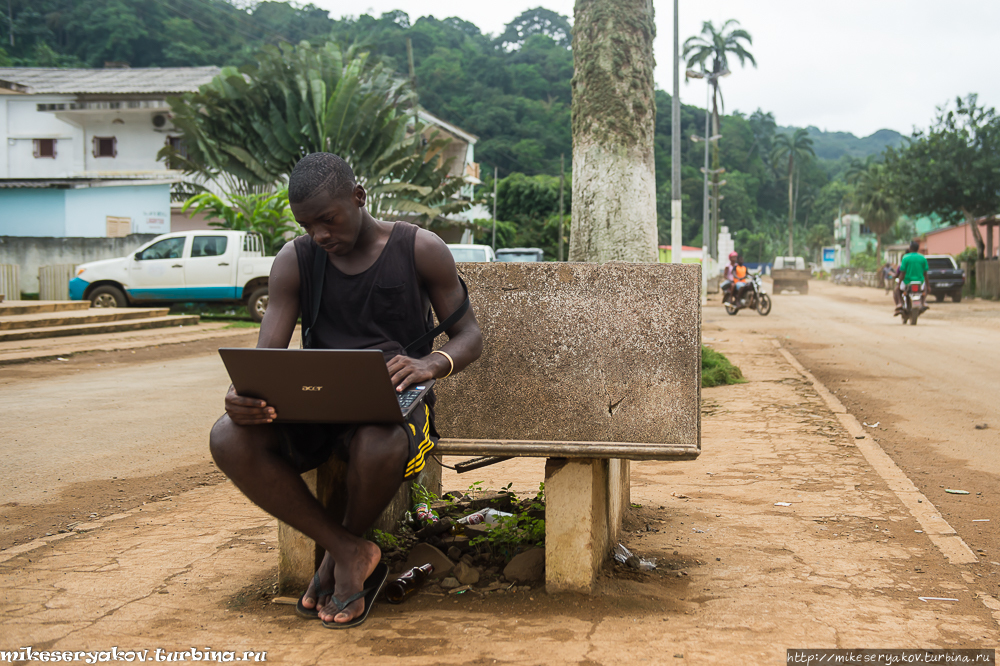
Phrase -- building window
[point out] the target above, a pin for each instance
(177, 143)
(45, 148)
(105, 146)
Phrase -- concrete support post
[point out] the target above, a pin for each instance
(585, 500)
(298, 554)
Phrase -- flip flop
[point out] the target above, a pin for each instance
(372, 588)
(312, 613)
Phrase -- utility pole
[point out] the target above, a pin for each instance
(676, 245)
(562, 180)
(494, 209)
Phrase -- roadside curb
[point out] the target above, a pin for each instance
(934, 525)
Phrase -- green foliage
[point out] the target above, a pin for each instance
(875, 201)
(867, 260)
(716, 370)
(836, 145)
(513, 91)
(510, 534)
(255, 123)
(818, 237)
(148, 33)
(716, 46)
(420, 495)
(952, 169)
(515, 99)
(753, 246)
(969, 255)
(528, 213)
(264, 214)
(384, 540)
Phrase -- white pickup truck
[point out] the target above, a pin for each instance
(188, 266)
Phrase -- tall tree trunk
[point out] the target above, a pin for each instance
(976, 233)
(613, 216)
(791, 210)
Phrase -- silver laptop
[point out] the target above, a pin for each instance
(322, 385)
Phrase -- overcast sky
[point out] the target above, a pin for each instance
(853, 65)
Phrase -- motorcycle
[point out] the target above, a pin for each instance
(912, 297)
(751, 296)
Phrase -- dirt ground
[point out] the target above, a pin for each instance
(927, 386)
(180, 559)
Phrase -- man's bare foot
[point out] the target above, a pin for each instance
(350, 576)
(312, 599)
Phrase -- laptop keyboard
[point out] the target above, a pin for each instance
(408, 397)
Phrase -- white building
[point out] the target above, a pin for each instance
(78, 149)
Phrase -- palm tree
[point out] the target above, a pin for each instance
(252, 125)
(877, 206)
(796, 148)
(717, 46)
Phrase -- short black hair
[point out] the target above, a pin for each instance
(914, 246)
(320, 172)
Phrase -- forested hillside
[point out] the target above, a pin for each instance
(512, 90)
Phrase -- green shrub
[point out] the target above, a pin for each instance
(716, 370)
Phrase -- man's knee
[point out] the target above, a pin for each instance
(231, 444)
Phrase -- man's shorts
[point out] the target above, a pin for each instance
(308, 445)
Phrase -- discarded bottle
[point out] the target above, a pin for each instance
(423, 512)
(490, 516)
(435, 529)
(404, 586)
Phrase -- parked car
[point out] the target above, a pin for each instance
(472, 252)
(520, 254)
(188, 266)
(944, 277)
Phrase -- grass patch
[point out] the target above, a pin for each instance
(240, 324)
(716, 370)
(215, 312)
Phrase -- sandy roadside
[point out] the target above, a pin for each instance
(740, 579)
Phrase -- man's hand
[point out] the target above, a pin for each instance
(248, 411)
(406, 371)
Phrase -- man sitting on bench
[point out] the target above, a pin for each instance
(381, 279)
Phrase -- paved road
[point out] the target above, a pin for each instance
(927, 386)
(119, 422)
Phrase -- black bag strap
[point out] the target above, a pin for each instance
(318, 276)
(445, 325)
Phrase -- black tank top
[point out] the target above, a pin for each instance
(383, 307)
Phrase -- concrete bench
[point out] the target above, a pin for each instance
(587, 365)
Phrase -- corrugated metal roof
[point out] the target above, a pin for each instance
(150, 80)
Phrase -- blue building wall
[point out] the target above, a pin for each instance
(83, 212)
(87, 209)
(32, 212)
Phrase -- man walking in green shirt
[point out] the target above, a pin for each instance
(912, 268)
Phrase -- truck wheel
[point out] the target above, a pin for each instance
(938, 298)
(257, 304)
(107, 297)
(956, 297)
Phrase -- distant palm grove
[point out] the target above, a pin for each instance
(512, 90)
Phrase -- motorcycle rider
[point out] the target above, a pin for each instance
(740, 278)
(912, 269)
(728, 277)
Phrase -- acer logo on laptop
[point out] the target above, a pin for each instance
(312, 388)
